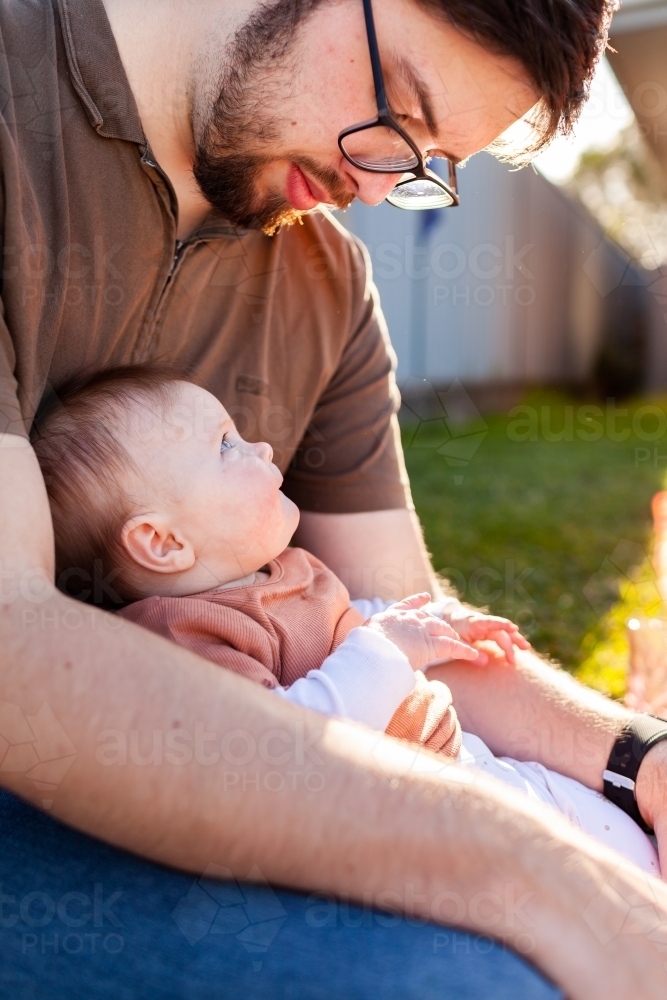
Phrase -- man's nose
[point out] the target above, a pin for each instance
(371, 188)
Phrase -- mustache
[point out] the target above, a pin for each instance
(328, 178)
(228, 182)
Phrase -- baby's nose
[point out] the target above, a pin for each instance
(264, 450)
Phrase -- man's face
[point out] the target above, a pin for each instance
(266, 133)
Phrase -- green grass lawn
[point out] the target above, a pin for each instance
(544, 517)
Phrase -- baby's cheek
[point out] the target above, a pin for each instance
(263, 513)
(200, 511)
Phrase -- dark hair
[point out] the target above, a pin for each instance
(559, 43)
(85, 464)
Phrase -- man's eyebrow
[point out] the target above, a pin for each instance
(421, 92)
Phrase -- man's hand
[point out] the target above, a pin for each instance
(421, 636)
(473, 626)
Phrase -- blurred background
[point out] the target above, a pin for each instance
(530, 327)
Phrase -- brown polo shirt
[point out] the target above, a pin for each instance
(286, 330)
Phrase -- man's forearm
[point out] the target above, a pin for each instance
(188, 764)
(533, 711)
(376, 554)
(530, 712)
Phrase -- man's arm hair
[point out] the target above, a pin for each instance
(536, 711)
(376, 554)
(530, 711)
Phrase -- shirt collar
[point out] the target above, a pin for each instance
(99, 79)
(97, 72)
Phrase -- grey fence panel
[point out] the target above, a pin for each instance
(516, 286)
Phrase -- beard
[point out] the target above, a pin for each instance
(234, 129)
(229, 183)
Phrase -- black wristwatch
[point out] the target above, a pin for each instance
(631, 746)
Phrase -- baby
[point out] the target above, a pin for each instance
(182, 525)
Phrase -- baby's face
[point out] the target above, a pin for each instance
(210, 491)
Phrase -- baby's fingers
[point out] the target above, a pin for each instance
(452, 649)
(413, 602)
(504, 640)
(436, 626)
(503, 627)
(491, 623)
(490, 626)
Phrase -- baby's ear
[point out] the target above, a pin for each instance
(151, 541)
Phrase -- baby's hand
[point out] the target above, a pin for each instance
(472, 626)
(421, 636)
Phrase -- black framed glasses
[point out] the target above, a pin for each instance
(381, 146)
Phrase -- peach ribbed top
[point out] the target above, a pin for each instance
(275, 632)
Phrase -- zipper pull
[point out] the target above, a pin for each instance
(177, 253)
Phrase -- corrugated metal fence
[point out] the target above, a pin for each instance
(516, 287)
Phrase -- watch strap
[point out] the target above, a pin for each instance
(631, 746)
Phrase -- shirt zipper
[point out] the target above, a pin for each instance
(177, 253)
(180, 246)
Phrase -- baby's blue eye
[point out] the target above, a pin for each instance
(225, 444)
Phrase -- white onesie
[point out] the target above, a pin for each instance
(589, 810)
(367, 678)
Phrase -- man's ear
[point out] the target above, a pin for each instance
(151, 541)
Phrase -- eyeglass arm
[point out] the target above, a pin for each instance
(376, 66)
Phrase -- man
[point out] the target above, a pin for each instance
(147, 151)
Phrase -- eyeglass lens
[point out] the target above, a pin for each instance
(379, 148)
(419, 193)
